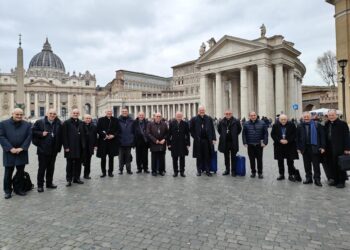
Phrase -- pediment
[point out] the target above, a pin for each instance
(229, 46)
(40, 83)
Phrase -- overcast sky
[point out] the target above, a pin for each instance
(151, 36)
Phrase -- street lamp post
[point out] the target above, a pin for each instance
(342, 64)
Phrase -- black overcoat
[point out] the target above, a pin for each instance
(339, 138)
(141, 138)
(235, 129)
(50, 144)
(178, 138)
(90, 134)
(73, 139)
(195, 130)
(284, 151)
(106, 126)
(157, 131)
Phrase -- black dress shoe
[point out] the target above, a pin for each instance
(154, 174)
(87, 177)
(103, 175)
(69, 184)
(340, 185)
(8, 196)
(40, 189)
(110, 175)
(182, 174)
(175, 174)
(307, 181)
(209, 174)
(129, 172)
(260, 176)
(280, 178)
(331, 182)
(291, 178)
(199, 173)
(233, 174)
(52, 186)
(226, 173)
(318, 183)
(253, 175)
(78, 182)
(162, 173)
(120, 173)
(138, 171)
(146, 171)
(21, 193)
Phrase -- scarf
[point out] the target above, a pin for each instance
(313, 132)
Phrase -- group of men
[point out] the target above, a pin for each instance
(114, 136)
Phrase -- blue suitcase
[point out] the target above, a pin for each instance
(240, 165)
(214, 162)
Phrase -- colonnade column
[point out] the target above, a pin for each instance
(279, 93)
(218, 95)
(244, 92)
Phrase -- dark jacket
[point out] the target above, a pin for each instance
(107, 126)
(90, 134)
(127, 131)
(15, 135)
(284, 151)
(234, 127)
(157, 131)
(339, 141)
(140, 138)
(73, 139)
(255, 132)
(50, 144)
(302, 140)
(178, 138)
(195, 130)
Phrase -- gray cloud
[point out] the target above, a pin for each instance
(151, 36)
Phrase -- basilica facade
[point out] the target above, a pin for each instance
(264, 74)
(44, 85)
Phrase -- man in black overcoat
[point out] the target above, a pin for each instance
(204, 137)
(108, 130)
(179, 143)
(90, 135)
(284, 134)
(311, 144)
(47, 136)
(141, 143)
(229, 128)
(337, 143)
(73, 144)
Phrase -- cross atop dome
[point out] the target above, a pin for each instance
(47, 46)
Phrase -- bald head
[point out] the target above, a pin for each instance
(201, 110)
(157, 117)
(87, 118)
(17, 114)
(109, 112)
(283, 119)
(51, 114)
(306, 116)
(141, 116)
(178, 116)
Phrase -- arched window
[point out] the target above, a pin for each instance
(87, 108)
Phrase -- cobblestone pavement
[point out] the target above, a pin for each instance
(145, 212)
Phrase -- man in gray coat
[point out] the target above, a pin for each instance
(15, 138)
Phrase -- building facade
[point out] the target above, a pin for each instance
(45, 84)
(316, 97)
(264, 75)
(342, 28)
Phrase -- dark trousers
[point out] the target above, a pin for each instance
(311, 160)
(203, 160)
(8, 178)
(255, 152)
(176, 165)
(46, 165)
(158, 162)
(125, 158)
(142, 157)
(87, 165)
(290, 164)
(110, 164)
(73, 169)
(230, 160)
(335, 171)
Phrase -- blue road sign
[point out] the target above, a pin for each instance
(295, 106)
